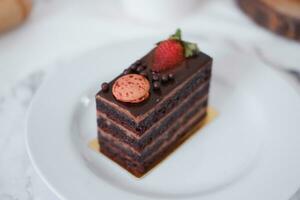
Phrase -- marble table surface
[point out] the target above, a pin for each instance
(59, 30)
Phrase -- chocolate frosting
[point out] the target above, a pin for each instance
(181, 73)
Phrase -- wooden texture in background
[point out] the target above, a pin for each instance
(279, 16)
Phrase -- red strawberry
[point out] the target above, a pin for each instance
(168, 54)
(172, 52)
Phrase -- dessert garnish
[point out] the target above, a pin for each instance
(171, 76)
(156, 85)
(105, 87)
(155, 77)
(164, 78)
(131, 88)
(172, 52)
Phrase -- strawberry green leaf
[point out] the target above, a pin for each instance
(190, 49)
(176, 36)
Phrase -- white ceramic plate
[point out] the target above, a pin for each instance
(250, 151)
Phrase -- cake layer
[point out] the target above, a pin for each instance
(196, 98)
(139, 167)
(104, 136)
(135, 168)
(150, 151)
(188, 76)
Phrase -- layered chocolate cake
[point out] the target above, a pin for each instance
(149, 109)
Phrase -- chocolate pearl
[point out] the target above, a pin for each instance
(171, 76)
(144, 74)
(139, 69)
(164, 78)
(126, 71)
(155, 77)
(105, 87)
(156, 85)
(133, 67)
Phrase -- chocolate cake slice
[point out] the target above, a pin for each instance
(149, 109)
